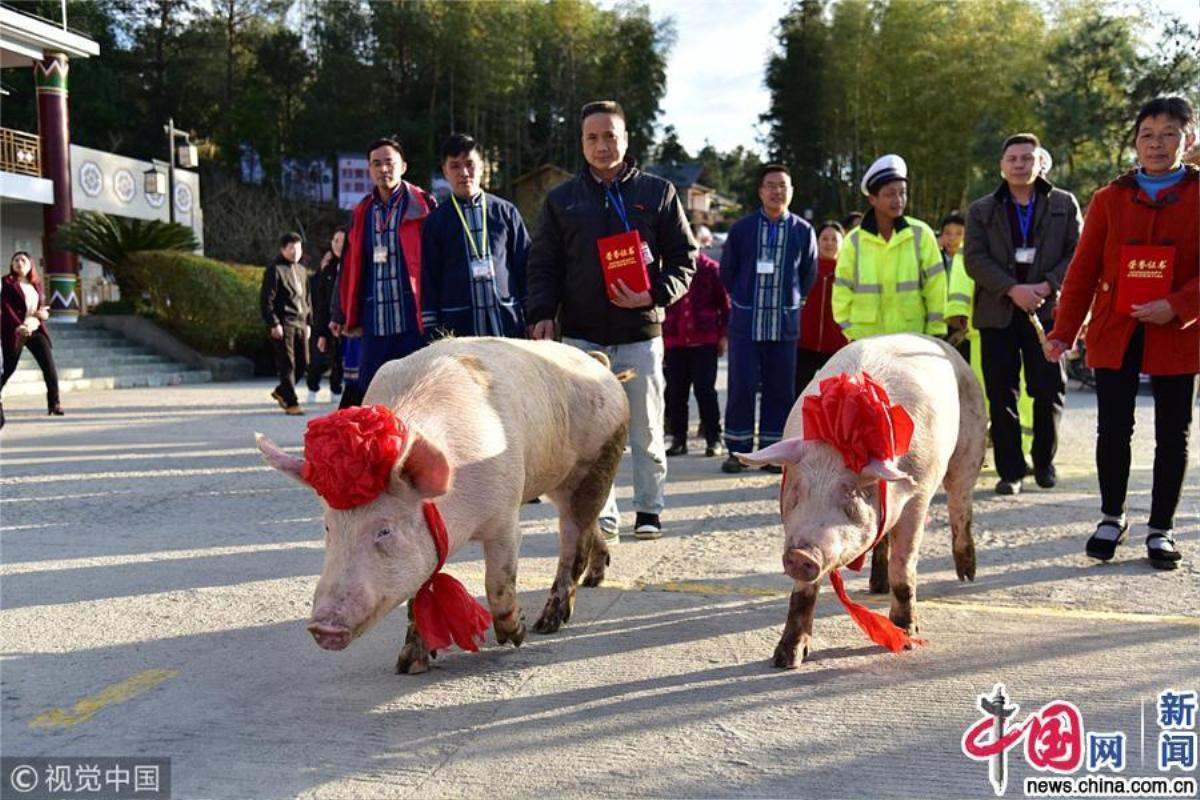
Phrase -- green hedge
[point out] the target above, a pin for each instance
(210, 305)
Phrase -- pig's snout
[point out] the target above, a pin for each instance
(330, 637)
(802, 563)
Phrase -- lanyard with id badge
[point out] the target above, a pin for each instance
(624, 256)
(480, 256)
(766, 266)
(380, 252)
(1024, 254)
(618, 203)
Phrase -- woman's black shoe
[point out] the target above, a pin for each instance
(713, 449)
(1160, 549)
(55, 410)
(677, 448)
(1103, 543)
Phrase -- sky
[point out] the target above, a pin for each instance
(715, 87)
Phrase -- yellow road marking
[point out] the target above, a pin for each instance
(690, 587)
(113, 695)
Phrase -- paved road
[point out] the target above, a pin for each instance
(156, 578)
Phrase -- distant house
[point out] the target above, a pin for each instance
(702, 204)
(530, 189)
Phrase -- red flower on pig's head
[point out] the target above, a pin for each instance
(855, 415)
(349, 454)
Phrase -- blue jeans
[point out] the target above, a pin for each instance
(646, 408)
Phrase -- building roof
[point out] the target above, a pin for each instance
(25, 38)
(684, 176)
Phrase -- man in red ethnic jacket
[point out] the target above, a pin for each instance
(380, 282)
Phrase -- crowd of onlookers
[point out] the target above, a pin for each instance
(1010, 284)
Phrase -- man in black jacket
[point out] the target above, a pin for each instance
(286, 312)
(565, 281)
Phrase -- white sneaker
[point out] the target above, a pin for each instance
(610, 537)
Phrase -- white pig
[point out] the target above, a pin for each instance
(492, 423)
(830, 514)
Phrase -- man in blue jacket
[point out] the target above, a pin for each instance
(768, 266)
(473, 254)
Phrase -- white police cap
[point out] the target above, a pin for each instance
(886, 168)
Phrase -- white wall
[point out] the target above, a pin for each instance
(114, 184)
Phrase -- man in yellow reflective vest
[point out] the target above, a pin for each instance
(890, 277)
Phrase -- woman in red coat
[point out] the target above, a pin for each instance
(23, 324)
(1155, 206)
(820, 335)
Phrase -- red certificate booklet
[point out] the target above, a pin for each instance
(621, 259)
(1145, 275)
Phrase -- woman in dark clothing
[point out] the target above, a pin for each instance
(325, 350)
(24, 318)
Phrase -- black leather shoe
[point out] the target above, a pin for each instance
(774, 469)
(1008, 488)
(1103, 543)
(677, 448)
(732, 465)
(1046, 478)
(1160, 549)
(713, 449)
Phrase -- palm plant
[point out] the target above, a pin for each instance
(108, 241)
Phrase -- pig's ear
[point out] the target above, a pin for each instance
(782, 453)
(425, 467)
(877, 470)
(287, 464)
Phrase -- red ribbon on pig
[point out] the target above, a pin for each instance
(443, 609)
(854, 414)
(349, 456)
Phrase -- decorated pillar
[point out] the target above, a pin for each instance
(61, 268)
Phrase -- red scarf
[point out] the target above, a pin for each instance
(409, 239)
(855, 416)
(348, 460)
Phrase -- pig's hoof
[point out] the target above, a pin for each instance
(964, 565)
(594, 576)
(598, 561)
(785, 655)
(413, 659)
(514, 637)
(557, 611)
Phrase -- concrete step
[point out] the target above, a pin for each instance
(177, 378)
(32, 373)
(95, 358)
(71, 359)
